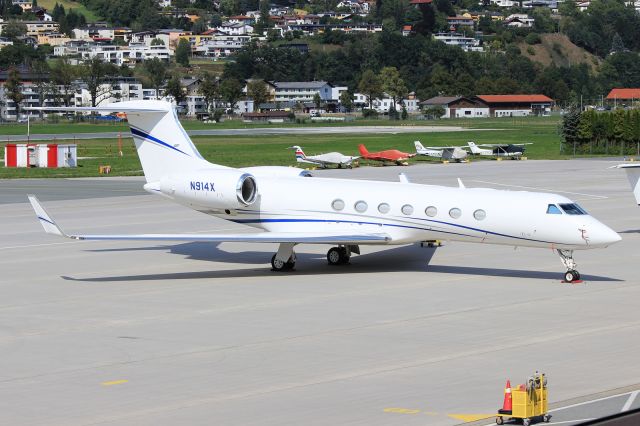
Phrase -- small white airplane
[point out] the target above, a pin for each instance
(449, 153)
(290, 208)
(513, 151)
(633, 174)
(324, 160)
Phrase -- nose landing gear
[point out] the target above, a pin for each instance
(566, 257)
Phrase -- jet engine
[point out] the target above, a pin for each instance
(222, 189)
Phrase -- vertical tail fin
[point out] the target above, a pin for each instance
(418, 146)
(299, 153)
(363, 150)
(163, 145)
(633, 174)
(474, 148)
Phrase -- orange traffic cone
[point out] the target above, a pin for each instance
(507, 405)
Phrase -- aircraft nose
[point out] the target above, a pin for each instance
(604, 236)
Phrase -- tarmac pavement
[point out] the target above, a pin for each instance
(194, 333)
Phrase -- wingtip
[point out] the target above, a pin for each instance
(47, 222)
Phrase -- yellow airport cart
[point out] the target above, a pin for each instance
(529, 402)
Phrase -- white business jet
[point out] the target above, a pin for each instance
(449, 153)
(633, 174)
(292, 209)
(324, 160)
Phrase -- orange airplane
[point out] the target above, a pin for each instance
(388, 156)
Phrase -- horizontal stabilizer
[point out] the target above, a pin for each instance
(51, 227)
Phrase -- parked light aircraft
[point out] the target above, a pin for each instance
(388, 156)
(513, 151)
(450, 153)
(292, 209)
(633, 174)
(324, 160)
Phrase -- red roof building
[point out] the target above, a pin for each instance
(502, 99)
(516, 105)
(623, 94)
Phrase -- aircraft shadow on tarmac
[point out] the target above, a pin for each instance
(396, 259)
(630, 231)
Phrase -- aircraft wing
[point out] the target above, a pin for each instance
(498, 145)
(51, 227)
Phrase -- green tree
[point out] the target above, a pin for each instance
(64, 75)
(42, 82)
(210, 91)
(257, 90)
(13, 30)
(264, 22)
(157, 42)
(370, 86)
(95, 74)
(569, 127)
(13, 89)
(176, 91)
(155, 71)
(346, 100)
(317, 100)
(183, 51)
(393, 85)
(231, 92)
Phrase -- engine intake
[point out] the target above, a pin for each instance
(218, 189)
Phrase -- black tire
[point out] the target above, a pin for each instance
(499, 420)
(577, 274)
(344, 257)
(546, 418)
(278, 265)
(334, 256)
(526, 422)
(570, 276)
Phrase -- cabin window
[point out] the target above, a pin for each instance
(553, 209)
(384, 208)
(337, 204)
(407, 209)
(455, 213)
(479, 214)
(572, 209)
(431, 211)
(360, 206)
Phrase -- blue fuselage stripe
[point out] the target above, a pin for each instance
(247, 221)
(140, 133)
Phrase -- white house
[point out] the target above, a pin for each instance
(221, 46)
(302, 91)
(468, 44)
(519, 20)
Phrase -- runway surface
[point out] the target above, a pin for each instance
(138, 333)
(253, 131)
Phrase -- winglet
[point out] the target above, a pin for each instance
(47, 222)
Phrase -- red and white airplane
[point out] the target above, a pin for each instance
(388, 156)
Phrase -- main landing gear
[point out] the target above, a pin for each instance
(285, 258)
(566, 256)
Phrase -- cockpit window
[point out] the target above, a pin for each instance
(572, 209)
(553, 209)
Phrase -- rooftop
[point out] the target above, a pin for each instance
(496, 99)
(619, 93)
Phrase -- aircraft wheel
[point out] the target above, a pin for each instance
(279, 265)
(337, 256)
(571, 276)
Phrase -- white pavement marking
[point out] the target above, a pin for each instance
(602, 197)
(590, 402)
(630, 400)
(36, 245)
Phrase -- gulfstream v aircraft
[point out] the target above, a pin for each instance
(290, 208)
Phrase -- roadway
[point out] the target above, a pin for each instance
(249, 132)
(195, 333)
